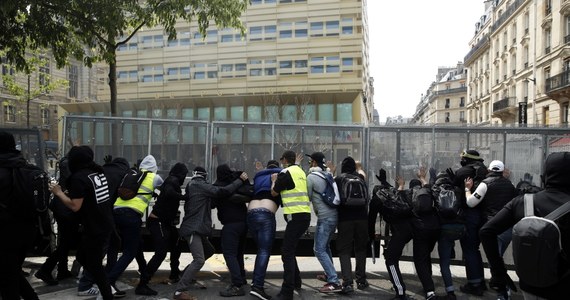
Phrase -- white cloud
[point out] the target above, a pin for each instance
(409, 40)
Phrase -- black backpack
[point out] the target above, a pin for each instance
(353, 190)
(131, 183)
(448, 205)
(537, 247)
(394, 204)
(422, 201)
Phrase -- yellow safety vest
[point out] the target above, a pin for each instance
(141, 200)
(296, 200)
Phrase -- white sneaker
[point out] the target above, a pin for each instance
(90, 292)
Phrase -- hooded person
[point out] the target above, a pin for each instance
(196, 226)
(352, 234)
(232, 213)
(128, 218)
(555, 194)
(15, 229)
(161, 223)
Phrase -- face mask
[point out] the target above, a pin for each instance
(463, 162)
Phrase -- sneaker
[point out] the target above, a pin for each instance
(331, 288)
(116, 292)
(469, 288)
(64, 274)
(362, 285)
(195, 285)
(259, 293)
(90, 292)
(232, 291)
(46, 277)
(347, 289)
(183, 296)
(145, 290)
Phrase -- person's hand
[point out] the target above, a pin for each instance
(55, 188)
(243, 176)
(468, 183)
(382, 176)
(450, 173)
(108, 159)
(299, 159)
(400, 182)
(422, 172)
(273, 177)
(331, 166)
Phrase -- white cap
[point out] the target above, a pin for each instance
(496, 166)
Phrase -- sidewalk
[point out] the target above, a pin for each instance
(216, 277)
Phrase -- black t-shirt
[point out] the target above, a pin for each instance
(97, 209)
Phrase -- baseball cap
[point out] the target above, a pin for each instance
(496, 166)
(319, 157)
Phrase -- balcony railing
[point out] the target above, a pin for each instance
(503, 104)
(507, 14)
(567, 39)
(451, 91)
(484, 40)
(558, 81)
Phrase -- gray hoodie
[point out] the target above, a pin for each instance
(149, 163)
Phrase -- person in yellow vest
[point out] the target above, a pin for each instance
(291, 183)
(128, 219)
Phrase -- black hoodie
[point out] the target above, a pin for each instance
(350, 213)
(168, 201)
(556, 193)
(231, 209)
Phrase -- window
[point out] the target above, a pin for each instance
(293, 29)
(328, 28)
(546, 116)
(73, 81)
(132, 44)
(447, 117)
(127, 76)
(325, 64)
(6, 68)
(260, 33)
(262, 67)
(182, 39)
(547, 40)
(230, 35)
(44, 71)
(177, 73)
(461, 116)
(347, 26)
(565, 112)
(152, 41)
(462, 102)
(44, 113)
(447, 102)
(9, 113)
(212, 37)
(151, 73)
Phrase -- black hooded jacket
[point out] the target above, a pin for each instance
(232, 209)
(115, 171)
(350, 213)
(556, 193)
(168, 202)
(8, 161)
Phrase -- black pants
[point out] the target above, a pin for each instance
(352, 235)
(402, 233)
(233, 247)
(16, 241)
(424, 242)
(90, 256)
(297, 225)
(165, 239)
(67, 237)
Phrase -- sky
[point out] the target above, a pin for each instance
(409, 40)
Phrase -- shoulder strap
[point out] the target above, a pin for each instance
(528, 205)
(559, 212)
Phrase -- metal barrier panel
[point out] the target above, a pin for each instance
(31, 145)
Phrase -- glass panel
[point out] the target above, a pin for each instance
(344, 113)
(326, 113)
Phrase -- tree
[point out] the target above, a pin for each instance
(92, 30)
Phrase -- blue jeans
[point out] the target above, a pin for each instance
(128, 224)
(445, 246)
(504, 240)
(470, 243)
(323, 234)
(261, 224)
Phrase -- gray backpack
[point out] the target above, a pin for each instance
(537, 247)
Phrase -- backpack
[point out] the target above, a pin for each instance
(537, 247)
(131, 183)
(330, 195)
(394, 206)
(353, 191)
(480, 172)
(446, 199)
(422, 201)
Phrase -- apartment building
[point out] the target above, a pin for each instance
(78, 85)
(297, 53)
(445, 99)
(519, 64)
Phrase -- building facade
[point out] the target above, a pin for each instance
(301, 60)
(519, 63)
(445, 99)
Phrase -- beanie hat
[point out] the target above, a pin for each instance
(471, 154)
(272, 164)
(200, 171)
(80, 157)
(7, 142)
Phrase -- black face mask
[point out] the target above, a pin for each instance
(463, 162)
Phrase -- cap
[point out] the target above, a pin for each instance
(289, 156)
(496, 166)
(319, 157)
(471, 154)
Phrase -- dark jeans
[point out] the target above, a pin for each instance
(445, 248)
(233, 247)
(470, 243)
(424, 242)
(297, 225)
(164, 239)
(67, 237)
(15, 244)
(402, 233)
(128, 224)
(90, 256)
(261, 224)
(352, 235)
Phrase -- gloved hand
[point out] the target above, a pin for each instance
(108, 159)
(382, 175)
(450, 173)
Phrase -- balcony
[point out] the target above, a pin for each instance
(547, 50)
(505, 109)
(567, 39)
(558, 86)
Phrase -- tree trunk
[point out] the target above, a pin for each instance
(115, 134)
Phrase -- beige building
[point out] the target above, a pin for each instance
(78, 85)
(519, 63)
(445, 99)
(297, 53)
